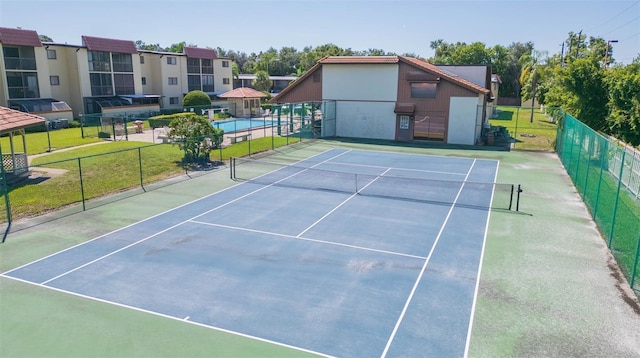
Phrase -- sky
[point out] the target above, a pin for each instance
(400, 26)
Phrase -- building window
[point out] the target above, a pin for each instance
(52, 55)
(225, 63)
(194, 82)
(225, 81)
(144, 81)
(99, 61)
(101, 84)
(23, 85)
(207, 66)
(123, 83)
(173, 81)
(54, 80)
(171, 61)
(19, 58)
(122, 62)
(423, 89)
(193, 65)
(207, 83)
(174, 100)
(141, 59)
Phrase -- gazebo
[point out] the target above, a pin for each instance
(14, 122)
(244, 102)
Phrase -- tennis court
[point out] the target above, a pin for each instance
(346, 253)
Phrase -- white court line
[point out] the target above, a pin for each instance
(395, 168)
(298, 237)
(169, 317)
(475, 293)
(424, 267)
(339, 205)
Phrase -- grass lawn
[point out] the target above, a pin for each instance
(537, 135)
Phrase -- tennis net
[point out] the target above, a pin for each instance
(485, 195)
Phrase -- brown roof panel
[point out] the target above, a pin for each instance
(10, 119)
(19, 37)
(243, 92)
(202, 53)
(424, 65)
(109, 45)
(405, 108)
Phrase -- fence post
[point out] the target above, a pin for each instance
(140, 166)
(615, 207)
(635, 265)
(603, 157)
(81, 185)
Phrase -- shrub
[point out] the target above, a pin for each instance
(196, 98)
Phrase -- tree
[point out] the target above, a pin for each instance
(623, 84)
(141, 45)
(196, 98)
(45, 38)
(262, 81)
(195, 136)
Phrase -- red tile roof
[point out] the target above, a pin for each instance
(10, 119)
(109, 45)
(243, 92)
(196, 52)
(452, 78)
(19, 37)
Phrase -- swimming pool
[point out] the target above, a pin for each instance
(242, 124)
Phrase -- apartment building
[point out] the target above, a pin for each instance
(101, 76)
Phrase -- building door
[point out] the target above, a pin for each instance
(404, 127)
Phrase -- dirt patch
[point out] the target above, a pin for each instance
(622, 286)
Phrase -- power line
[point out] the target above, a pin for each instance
(611, 19)
(619, 27)
(634, 35)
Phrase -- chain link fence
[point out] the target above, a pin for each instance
(607, 175)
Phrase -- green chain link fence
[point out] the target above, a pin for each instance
(607, 175)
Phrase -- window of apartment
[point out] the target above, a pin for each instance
(171, 61)
(225, 63)
(207, 83)
(225, 81)
(122, 62)
(207, 66)
(23, 84)
(174, 100)
(144, 81)
(194, 82)
(99, 61)
(54, 80)
(123, 83)
(423, 89)
(173, 80)
(52, 55)
(19, 58)
(101, 84)
(141, 59)
(193, 65)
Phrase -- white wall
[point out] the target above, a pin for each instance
(374, 120)
(462, 120)
(365, 95)
(367, 82)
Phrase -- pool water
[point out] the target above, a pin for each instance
(242, 124)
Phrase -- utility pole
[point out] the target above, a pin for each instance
(606, 53)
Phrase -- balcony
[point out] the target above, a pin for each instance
(17, 63)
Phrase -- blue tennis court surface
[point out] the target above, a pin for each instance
(332, 271)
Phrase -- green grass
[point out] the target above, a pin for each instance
(95, 171)
(41, 142)
(537, 135)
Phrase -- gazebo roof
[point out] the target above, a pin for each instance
(11, 120)
(243, 92)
